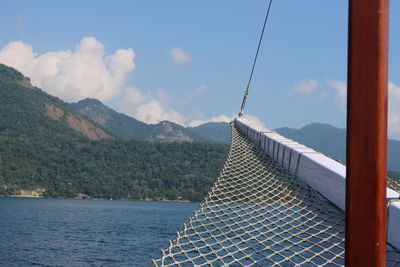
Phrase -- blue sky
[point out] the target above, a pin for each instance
(188, 61)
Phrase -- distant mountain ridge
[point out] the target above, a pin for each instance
(331, 141)
(165, 131)
(322, 137)
(219, 132)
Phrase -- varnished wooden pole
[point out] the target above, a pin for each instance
(366, 133)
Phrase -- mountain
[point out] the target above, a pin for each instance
(48, 148)
(120, 124)
(219, 132)
(165, 131)
(27, 110)
(321, 137)
(331, 141)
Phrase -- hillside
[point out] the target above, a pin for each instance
(48, 147)
(130, 128)
(122, 125)
(331, 141)
(26, 110)
(219, 132)
(321, 137)
(165, 131)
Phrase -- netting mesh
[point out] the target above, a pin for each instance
(258, 214)
(393, 184)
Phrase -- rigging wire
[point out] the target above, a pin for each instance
(246, 92)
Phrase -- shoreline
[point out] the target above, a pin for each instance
(147, 200)
(27, 196)
(22, 196)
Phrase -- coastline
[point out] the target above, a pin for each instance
(27, 196)
(147, 200)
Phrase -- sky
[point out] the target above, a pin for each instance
(189, 61)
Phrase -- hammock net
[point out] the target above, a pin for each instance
(258, 214)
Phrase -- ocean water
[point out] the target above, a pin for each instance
(69, 232)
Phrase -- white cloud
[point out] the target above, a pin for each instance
(306, 86)
(17, 55)
(163, 97)
(220, 118)
(250, 119)
(323, 95)
(147, 108)
(393, 104)
(72, 76)
(201, 89)
(341, 93)
(254, 122)
(394, 110)
(198, 91)
(179, 56)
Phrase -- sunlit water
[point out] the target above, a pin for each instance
(68, 232)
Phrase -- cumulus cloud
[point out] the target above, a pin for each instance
(250, 119)
(306, 86)
(323, 95)
(255, 122)
(393, 104)
(341, 93)
(198, 91)
(148, 108)
(179, 56)
(201, 89)
(220, 118)
(394, 111)
(73, 75)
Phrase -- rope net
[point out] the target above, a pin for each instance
(258, 214)
(393, 184)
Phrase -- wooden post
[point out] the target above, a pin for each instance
(366, 133)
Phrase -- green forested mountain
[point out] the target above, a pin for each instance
(28, 111)
(109, 168)
(120, 124)
(324, 138)
(130, 128)
(331, 141)
(47, 145)
(219, 132)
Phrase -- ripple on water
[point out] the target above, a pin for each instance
(69, 232)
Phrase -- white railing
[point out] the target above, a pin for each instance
(325, 175)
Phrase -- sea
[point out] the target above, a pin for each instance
(72, 232)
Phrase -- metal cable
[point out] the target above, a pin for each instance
(255, 61)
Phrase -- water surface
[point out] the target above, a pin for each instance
(69, 232)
